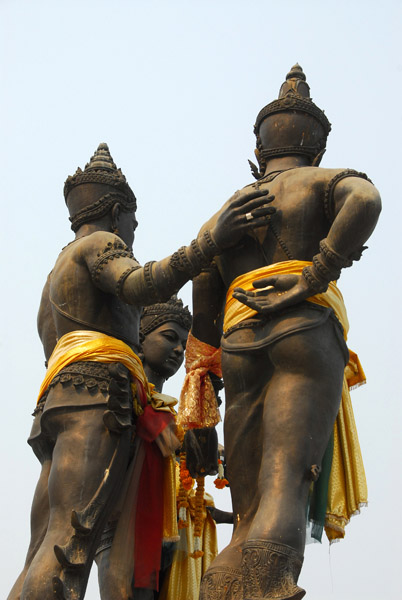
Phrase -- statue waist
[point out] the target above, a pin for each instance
(236, 312)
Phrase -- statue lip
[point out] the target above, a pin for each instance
(174, 359)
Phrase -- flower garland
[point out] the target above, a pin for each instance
(221, 481)
(186, 483)
(199, 517)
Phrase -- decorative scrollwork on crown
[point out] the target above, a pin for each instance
(158, 314)
(294, 95)
(100, 169)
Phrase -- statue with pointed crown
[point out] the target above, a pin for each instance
(102, 431)
(290, 441)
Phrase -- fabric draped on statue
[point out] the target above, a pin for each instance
(150, 484)
(347, 487)
(346, 492)
(198, 406)
(184, 577)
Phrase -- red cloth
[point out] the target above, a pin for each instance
(149, 515)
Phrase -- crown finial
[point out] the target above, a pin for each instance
(295, 83)
(101, 159)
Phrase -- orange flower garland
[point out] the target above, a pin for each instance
(186, 483)
(199, 517)
(220, 482)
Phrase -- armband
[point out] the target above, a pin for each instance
(326, 267)
(198, 255)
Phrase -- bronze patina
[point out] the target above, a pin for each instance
(164, 330)
(283, 366)
(85, 417)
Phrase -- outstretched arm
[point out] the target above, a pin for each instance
(157, 281)
(357, 206)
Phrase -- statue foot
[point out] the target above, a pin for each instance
(270, 571)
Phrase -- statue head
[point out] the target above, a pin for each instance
(163, 334)
(99, 189)
(291, 125)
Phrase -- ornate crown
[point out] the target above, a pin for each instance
(100, 169)
(306, 134)
(294, 95)
(88, 204)
(157, 314)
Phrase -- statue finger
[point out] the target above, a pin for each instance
(254, 203)
(243, 198)
(263, 211)
(265, 282)
(245, 293)
(250, 222)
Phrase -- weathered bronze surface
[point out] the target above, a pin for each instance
(164, 330)
(283, 368)
(84, 420)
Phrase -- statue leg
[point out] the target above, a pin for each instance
(281, 404)
(245, 390)
(87, 467)
(39, 523)
(300, 406)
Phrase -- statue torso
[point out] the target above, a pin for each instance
(295, 229)
(71, 301)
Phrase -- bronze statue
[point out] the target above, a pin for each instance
(164, 329)
(95, 392)
(283, 349)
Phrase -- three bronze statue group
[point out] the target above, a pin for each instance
(268, 317)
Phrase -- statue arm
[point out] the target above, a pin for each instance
(114, 269)
(46, 326)
(357, 206)
(208, 299)
(159, 280)
(201, 443)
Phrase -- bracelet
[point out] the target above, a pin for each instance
(208, 246)
(336, 260)
(315, 283)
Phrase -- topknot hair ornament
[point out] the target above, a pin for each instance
(306, 135)
(294, 95)
(89, 203)
(101, 169)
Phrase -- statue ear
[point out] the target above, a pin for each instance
(114, 217)
(317, 158)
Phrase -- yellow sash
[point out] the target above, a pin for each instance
(85, 345)
(347, 489)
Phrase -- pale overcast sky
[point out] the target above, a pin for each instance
(174, 88)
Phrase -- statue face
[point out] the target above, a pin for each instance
(163, 348)
(127, 224)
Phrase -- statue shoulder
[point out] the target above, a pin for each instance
(100, 241)
(337, 182)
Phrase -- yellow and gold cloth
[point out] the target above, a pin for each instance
(83, 345)
(347, 490)
(184, 578)
(198, 406)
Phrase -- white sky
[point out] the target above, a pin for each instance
(174, 89)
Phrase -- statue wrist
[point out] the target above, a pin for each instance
(326, 267)
(195, 257)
